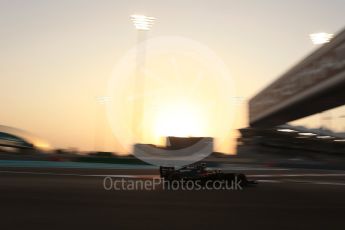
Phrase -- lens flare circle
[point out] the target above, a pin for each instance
(120, 110)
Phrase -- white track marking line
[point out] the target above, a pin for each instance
(298, 175)
(299, 181)
(269, 181)
(81, 175)
(302, 182)
(316, 182)
(329, 183)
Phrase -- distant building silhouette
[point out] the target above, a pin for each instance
(20, 139)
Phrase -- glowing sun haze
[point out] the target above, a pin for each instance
(186, 91)
(57, 58)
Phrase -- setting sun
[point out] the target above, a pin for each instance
(180, 120)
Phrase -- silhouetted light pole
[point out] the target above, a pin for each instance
(143, 24)
(100, 127)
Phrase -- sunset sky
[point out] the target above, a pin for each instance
(58, 57)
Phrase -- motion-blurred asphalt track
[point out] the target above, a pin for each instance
(61, 198)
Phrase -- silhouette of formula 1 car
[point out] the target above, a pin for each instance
(199, 172)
